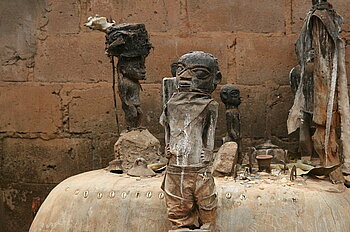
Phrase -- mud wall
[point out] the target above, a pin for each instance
(57, 116)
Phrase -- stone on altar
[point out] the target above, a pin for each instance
(137, 143)
(226, 158)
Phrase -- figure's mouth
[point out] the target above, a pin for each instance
(142, 74)
(184, 83)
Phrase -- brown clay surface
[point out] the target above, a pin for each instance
(103, 201)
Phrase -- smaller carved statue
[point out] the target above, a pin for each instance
(132, 70)
(189, 118)
(230, 96)
(129, 42)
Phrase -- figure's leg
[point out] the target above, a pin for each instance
(318, 141)
(130, 114)
(333, 155)
(206, 199)
(139, 116)
(179, 199)
(305, 142)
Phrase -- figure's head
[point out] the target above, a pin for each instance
(314, 2)
(132, 67)
(230, 95)
(197, 71)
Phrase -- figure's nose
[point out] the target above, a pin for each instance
(186, 76)
(142, 70)
(185, 80)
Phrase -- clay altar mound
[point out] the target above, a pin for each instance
(102, 201)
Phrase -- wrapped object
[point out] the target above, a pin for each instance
(128, 40)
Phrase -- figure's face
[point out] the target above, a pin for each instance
(133, 68)
(310, 56)
(230, 95)
(197, 71)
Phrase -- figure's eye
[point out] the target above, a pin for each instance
(201, 73)
(179, 69)
(224, 94)
(235, 93)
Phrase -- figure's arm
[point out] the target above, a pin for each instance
(209, 132)
(164, 122)
(211, 125)
(167, 133)
(169, 88)
(294, 78)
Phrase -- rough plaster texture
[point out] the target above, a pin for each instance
(98, 201)
(55, 81)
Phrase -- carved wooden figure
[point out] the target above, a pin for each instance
(230, 96)
(189, 118)
(129, 42)
(325, 101)
(132, 70)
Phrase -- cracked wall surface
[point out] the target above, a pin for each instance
(57, 117)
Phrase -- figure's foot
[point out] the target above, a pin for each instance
(346, 169)
(181, 230)
(337, 177)
(347, 181)
(306, 159)
(204, 228)
(184, 229)
(189, 230)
